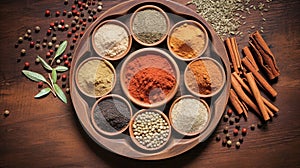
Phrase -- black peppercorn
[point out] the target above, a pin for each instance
(252, 127)
(237, 119)
(241, 139)
(225, 130)
(227, 136)
(224, 142)
(231, 121)
(237, 126)
(225, 118)
(218, 137)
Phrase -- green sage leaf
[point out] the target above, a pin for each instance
(34, 76)
(43, 92)
(61, 68)
(60, 93)
(54, 76)
(45, 64)
(62, 47)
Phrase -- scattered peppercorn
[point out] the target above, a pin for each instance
(231, 121)
(56, 46)
(48, 54)
(225, 118)
(37, 60)
(99, 8)
(66, 2)
(50, 44)
(244, 131)
(64, 77)
(26, 65)
(65, 57)
(218, 137)
(67, 90)
(31, 44)
(58, 61)
(229, 112)
(227, 136)
(37, 29)
(237, 126)
(229, 143)
(225, 130)
(57, 13)
(47, 12)
(69, 14)
(54, 39)
(40, 84)
(252, 127)
(20, 40)
(26, 36)
(6, 113)
(259, 125)
(48, 32)
(37, 46)
(224, 142)
(67, 62)
(241, 139)
(23, 52)
(44, 44)
(237, 145)
(235, 132)
(237, 119)
(28, 31)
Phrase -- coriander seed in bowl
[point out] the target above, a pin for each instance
(150, 129)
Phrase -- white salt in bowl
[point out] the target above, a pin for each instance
(184, 109)
(99, 51)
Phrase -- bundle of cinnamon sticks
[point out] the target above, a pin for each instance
(247, 77)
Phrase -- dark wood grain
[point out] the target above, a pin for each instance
(47, 133)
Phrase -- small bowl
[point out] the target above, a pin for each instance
(216, 84)
(98, 50)
(152, 63)
(89, 92)
(114, 97)
(182, 23)
(132, 134)
(153, 8)
(185, 110)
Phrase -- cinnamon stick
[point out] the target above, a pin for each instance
(236, 52)
(249, 55)
(231, 55)
(237, 87)
(245, 86)
(259, 77)
(257, 96)
(265, 57)
(235, 101)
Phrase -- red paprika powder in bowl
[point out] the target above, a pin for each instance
(149, 77)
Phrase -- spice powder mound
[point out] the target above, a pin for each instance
(204, 77)
(111, 115)
(189, 115)
(111, 40)
(150, 78)
(95, 77)
(187, 41)
(149, 26)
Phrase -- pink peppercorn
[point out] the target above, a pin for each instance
(74, 40)
(48, 32)
(76, 35)
(57, 13)
(229, 112)
(64, 77)
(65, 57)
(81, 34)
(40, 84)
(48, 54)
(73, 7)
(26, 65)
(244, 131)
(69, 34)
(62, 22)
(31, 44)
(52, 24)
(67, 62)
(51, 51)
(47, 12)
(235, 132)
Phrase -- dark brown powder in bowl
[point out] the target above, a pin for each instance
(111, 115)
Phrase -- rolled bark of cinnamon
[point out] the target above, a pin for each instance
(259, 77)
(257, 96)
(245, 86)
(264, 56)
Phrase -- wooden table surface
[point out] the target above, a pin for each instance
(47, 133)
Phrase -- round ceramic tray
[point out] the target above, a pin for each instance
(122, 144)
